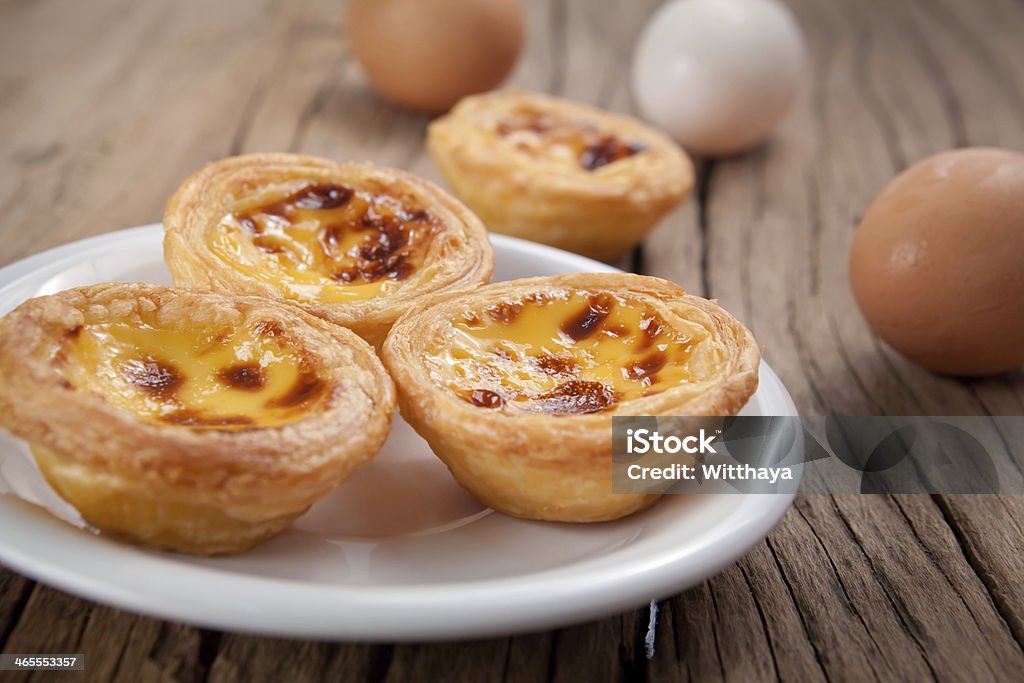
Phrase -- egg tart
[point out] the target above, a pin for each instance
(355, 244)
(554, 171)
(189, 421)
(514, 385)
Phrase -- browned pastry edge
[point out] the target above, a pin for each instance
(598, 213)
(459, 257)
(274, 470)
(558, 467)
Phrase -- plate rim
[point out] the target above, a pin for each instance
(453, 610)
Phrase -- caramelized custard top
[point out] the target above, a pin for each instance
(327, 242)
(559, 353)
(230, 379)
(563, 140)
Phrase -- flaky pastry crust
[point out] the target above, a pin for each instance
(173, 486)
(558, 467)
(455, 251)
(513, 158)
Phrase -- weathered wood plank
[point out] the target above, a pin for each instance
(14, 594)
(696, 642)
(777, 225)
(989, 531)
(51, 622)
(118, 106)
(245, 658)
(119, 646)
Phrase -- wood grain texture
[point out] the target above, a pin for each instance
(109, 104)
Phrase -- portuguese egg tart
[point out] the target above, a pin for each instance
(554, 171)
(355, 244)
(514, 385)
(189, 421)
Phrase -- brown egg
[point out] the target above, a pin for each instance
(937, 264)
(428, 54)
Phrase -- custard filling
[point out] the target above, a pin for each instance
(227, 379)
(574, 142)
(568, 352)
(327, 242)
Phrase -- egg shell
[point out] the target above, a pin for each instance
(937, 263)
(718, 75)
(428, 54)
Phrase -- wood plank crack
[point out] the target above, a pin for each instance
(705, 173)
(815, 647)
(714, 628)
(380, 663)
(209, 647)
(764, 620)
(900, 613)
(837, 575)
(14, 605)
(558, 34)
(1013, 623)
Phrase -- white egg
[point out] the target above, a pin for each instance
(718, 75)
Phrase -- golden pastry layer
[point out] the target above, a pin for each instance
(185, 420)
(355, 244)
(554, 171)
(514, 384)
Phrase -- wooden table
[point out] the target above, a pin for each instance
(108, 105)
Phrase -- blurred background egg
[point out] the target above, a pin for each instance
(937, 263)
(427, 54)
(718, 75)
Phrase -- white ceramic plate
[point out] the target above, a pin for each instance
(399, 552)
